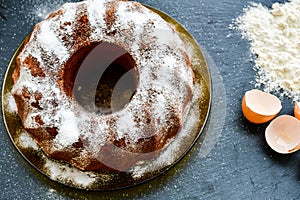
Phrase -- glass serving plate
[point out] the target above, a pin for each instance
(139, 173)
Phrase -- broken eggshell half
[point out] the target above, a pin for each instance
(260, 107)
(283, 134)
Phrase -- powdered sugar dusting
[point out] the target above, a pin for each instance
(43, 9)
(66, 174)
(48, 40)
(172, 152)
(165, 79)
(10, 103)
(26, 141)
(50, 93)
(68, 133)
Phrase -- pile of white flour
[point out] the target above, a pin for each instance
(274, 36)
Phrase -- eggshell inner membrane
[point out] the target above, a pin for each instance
(262, 103)
(283, 134)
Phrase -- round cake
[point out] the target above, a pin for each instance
(103, 84)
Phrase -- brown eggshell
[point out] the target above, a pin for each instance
(283, 134)
(260, 107)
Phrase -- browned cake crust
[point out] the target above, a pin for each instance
(52, 56)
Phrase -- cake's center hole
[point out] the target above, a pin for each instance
(106, 78)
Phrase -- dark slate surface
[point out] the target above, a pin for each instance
(233, 163)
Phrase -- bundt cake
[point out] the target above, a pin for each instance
(69, 91)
